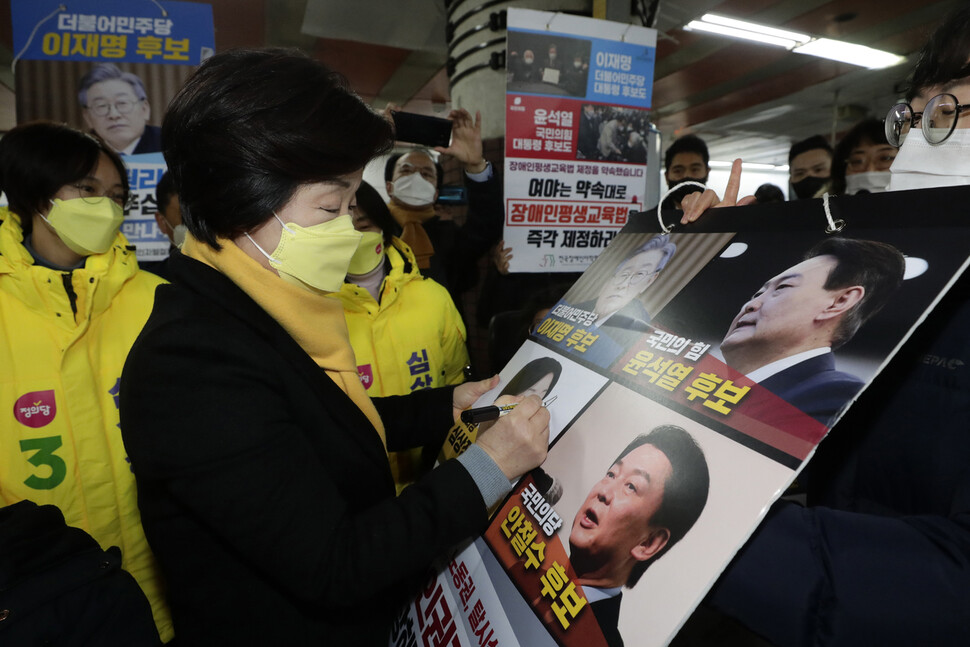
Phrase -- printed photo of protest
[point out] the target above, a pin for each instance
(541, 64)
(612, 134)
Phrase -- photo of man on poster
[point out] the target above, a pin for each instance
(649, 498)
(620, 316)
(115, 106)
(784, 335)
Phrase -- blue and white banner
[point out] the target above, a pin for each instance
(165, 32)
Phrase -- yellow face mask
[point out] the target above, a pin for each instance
(86, 225)
(369, 254)
(316, 257)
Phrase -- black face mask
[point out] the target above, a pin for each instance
(809, 186)
(680, 192)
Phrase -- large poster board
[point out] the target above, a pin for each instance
(97, 49)
(670, 440)
(576, 132)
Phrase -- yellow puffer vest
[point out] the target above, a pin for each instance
(65, 336)
(413, 339)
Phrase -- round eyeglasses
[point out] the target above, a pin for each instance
(92, 191)
(123, 106)
(938, 120)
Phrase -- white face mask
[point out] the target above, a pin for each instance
(178, 232)
(178, 235)
(920, 165)
(413, 190)
(868, 182)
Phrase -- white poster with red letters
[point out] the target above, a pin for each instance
(576, 130)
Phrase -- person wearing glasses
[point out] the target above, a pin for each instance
(72, 301)
(862, 160)
(618, 296)
(931, 128)
(617, 316)
(115, 106)
(881, 556)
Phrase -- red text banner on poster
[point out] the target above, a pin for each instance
(566, 213)
(541, 127)
(655, 364)
(536, 561)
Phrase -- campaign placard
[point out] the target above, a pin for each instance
(690, 376)
(110, 52)
(576, 121)
(164, 32)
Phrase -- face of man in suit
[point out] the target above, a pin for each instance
(629, 281)
(612, 530)
(790, 314)
(115, 113)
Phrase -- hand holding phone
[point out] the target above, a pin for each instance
(421, 129)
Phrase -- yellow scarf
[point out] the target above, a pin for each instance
(413, 233)
(315, 321)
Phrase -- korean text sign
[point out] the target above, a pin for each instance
(691, 358)
(577, 100)
(114, 31)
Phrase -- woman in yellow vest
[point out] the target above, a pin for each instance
(72, 301)
(404, 328)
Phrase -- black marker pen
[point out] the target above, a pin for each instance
(493, 412)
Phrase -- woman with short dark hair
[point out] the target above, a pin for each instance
(261, 462)
(72, 301)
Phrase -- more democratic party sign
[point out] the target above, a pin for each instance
(166, 31)
(576, 131)
(126, 61)
(690, 376)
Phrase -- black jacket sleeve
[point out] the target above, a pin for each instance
(226, 442)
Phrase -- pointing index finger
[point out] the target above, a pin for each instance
(733, 185)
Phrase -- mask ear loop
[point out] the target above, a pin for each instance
(257, 245)
(834, 225)
(664, 228)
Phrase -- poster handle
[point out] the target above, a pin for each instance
(664, 228)
(834, 225)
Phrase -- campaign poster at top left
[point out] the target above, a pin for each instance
(110, 68)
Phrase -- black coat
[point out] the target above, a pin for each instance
(57, 587)
(265, 492)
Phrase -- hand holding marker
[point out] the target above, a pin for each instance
(493, 412)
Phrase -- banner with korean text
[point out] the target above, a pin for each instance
(689, 377)
(576, 131)
(110, 67)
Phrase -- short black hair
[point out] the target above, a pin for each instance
(372, 205)
(878, 267)
(810, 144)
(943, 58)
(251, 126)
(531, 373)
(870, 130)
(164, 191)
(686, 144)
(40, 157)
(392, 162)
(685, 491)
(769, 192)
